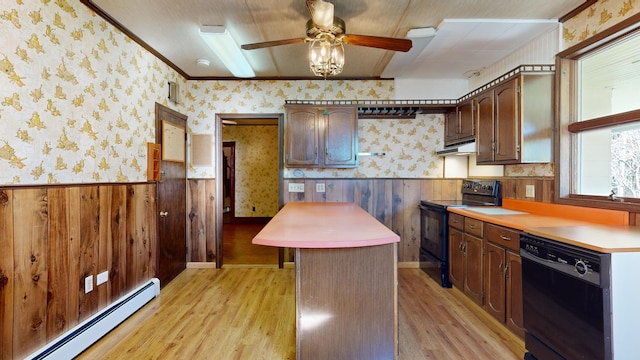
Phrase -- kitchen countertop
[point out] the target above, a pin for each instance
(324, 225)
(598, 237)
(602, 238)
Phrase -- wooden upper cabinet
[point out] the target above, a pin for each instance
(451, 127)
(484, 119)
(459, 124)
(507, 122)
(502, 114)
(467, 124)
(341, 137)
(302, 129)
(321, 137)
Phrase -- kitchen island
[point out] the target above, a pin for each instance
(346, 279)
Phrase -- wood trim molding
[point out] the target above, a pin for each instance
(577, 10)
(95, 8)
(623, 28)
(605, 121)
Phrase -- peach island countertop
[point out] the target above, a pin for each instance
(324, 225)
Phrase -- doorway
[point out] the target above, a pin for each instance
(228, 182)
(249, 213)
(171, 194)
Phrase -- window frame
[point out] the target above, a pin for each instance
(567, 126)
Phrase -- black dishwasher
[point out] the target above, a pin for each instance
(566, 302)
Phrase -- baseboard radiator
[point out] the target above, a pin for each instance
(76, 340)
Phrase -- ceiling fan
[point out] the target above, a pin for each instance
(327, 33)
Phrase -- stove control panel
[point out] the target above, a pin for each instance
(481, 187)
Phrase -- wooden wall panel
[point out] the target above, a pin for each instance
(334, 190)
(6, 274)
(75, 275)
(105, 245)
(58, 263)
(116, 244)
(89, 246)
(210, 222)
(140, 212)
(30, 264)
(196, 204)
(411, 217)
(51, 238)
(397, 223)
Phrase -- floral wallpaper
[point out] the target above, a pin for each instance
(256, 169)
(598, 17)
(76, 96)
(77, 100)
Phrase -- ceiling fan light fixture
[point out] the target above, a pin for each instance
(326, 56)
(227, 50)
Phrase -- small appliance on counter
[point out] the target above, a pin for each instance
(434, 218)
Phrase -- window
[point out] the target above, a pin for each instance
(599, 126)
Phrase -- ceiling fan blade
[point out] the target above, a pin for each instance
(386, 43)
(321, 13)
(265, 44)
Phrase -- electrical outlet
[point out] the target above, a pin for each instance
(102, 278)
(320, 188)
(296, 187)
(530, 191)
(88, 284)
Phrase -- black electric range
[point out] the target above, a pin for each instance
(434, 218)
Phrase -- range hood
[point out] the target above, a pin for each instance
(458, 149)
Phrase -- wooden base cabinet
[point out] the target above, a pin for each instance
(514, 316)
(503, 277)
(485, 264)
(465, 257)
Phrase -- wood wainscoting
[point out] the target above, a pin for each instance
(51, 239)
(394, 202)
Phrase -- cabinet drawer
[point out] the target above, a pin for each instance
(456, 221)
(503, 236)
(474, 227)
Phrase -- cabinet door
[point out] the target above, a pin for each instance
(514, 317)
(451, 127)
(485, 133)
(466, 119)
(301, 132)
(341, 137)
(473, 270)
(507, 122)
(456, 258)
(494, 284)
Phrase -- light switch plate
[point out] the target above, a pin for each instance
(102, 278)
(296, 187)
(320, 188)
(530, 191)
(88, 284)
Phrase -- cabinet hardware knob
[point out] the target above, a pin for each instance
(164, 213)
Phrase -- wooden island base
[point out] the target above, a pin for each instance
(346, 280)
(346, 303)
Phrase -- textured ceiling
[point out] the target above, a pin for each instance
(470, 34)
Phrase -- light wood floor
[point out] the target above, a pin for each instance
(243, 313)
(237, 248)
